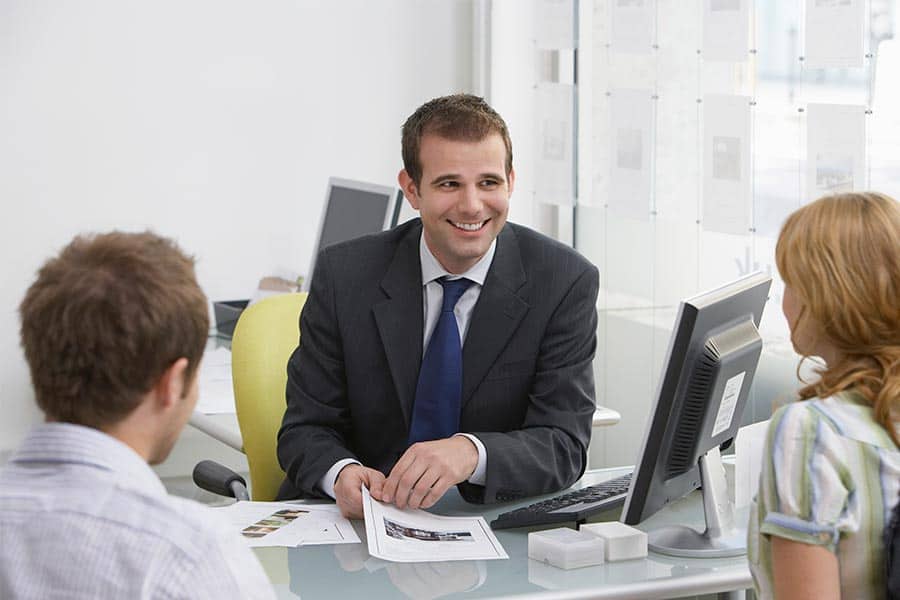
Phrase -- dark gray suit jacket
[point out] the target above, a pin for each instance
(528, 385)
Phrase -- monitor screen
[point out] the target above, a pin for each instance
(712, 357)
(353, 209)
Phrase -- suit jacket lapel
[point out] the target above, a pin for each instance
(400, 320)
(496, 315)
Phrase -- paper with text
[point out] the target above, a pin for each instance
(410, 535)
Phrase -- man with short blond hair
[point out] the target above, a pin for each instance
(113, 330)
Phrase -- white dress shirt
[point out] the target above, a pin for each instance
(82, 515)
(432, 298)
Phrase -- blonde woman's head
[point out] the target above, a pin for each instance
(839, 258)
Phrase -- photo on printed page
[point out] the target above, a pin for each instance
(405, 532)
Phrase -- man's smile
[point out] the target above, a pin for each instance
(469, 226)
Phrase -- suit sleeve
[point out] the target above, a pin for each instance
(317, 417)
(549, 452)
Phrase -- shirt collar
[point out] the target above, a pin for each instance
(67, 443)
(432, 269)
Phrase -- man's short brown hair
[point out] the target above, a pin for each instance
(460, 117)
(105, 319)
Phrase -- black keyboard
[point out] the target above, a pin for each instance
(575, 506)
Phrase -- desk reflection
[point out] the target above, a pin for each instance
(348, 571)
(424, 581)
(315, 569)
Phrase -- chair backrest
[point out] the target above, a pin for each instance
(264, 338)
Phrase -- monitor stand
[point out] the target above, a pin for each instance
(721, 538)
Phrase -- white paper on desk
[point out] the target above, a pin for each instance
(285, 524)
(748, 448)
(417, 536)
(216, 391)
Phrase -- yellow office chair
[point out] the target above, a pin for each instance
(264, 338)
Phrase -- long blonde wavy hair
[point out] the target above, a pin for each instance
(841, 257)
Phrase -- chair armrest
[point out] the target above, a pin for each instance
(219, 479)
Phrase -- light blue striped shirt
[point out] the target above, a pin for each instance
(830, 476)
(82, 515)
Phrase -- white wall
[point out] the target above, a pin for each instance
(216, 122)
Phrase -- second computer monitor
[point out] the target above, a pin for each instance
(354, 209)
(712, 357)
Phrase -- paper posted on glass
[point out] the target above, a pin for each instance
(835, 148)
(284, 524)
(835, 33)
(726, 30)
(632, 140)
(726, 164)
(408, 535)
(633, 25)
(553, 141)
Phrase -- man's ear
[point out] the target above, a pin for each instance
(170, 387)
(511, 180)
(410, 190)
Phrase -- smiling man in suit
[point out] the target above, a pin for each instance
(454, 349)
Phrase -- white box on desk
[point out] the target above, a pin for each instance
(622, 541)
(566, 548)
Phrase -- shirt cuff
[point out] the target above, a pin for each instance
(479, 475)
(327, 481)
(798, 530)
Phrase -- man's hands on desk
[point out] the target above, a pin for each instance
(347, 492)
(419, 479)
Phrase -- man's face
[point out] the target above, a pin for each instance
(463, 198)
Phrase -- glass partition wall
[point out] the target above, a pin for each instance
(709, 122)
(668, 139)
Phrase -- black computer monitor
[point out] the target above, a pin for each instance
(712, 357)
(353, 209)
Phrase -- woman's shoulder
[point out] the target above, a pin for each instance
(802, 413)
(842, 414)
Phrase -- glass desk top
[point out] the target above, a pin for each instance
(347, 571)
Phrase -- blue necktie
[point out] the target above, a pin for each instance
(438, 392)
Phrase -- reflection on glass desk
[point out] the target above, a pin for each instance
(347, 571)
